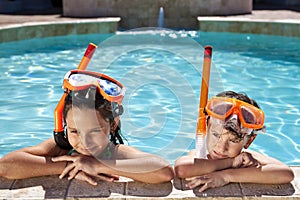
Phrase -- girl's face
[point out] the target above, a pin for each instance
(222, 143)
(88, 131)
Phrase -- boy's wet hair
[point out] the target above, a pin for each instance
(239, 96)
(92, 99)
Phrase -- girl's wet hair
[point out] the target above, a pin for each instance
(92, 99)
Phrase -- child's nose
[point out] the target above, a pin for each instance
(85, 140)
(222, 144)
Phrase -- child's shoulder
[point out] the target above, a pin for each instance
(124, 152)
(46, 148)
(127, 148)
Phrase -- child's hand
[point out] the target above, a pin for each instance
(83, 168)
(87, 178)
(212, 180)
(245, 159)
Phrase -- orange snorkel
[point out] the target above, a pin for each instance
(87, 56)
(58, 117)
(201, 124)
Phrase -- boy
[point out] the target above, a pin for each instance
(232, 124)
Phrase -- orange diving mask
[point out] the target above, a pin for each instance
(249, 115)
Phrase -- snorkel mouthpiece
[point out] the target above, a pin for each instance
(59, 133)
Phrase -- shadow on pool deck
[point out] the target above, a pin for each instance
(51, 187)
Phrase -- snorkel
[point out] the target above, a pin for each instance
(89, 52)
(58, 132)
(201, 124)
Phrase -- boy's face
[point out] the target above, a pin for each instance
(223, 142)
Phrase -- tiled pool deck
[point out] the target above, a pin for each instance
(17, 27)
(51, 187)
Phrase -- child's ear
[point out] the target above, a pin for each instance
(250, 140)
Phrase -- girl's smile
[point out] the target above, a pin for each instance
(91, 133)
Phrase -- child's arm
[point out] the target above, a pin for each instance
(269, 171)
(32, 161)
(129, 162)
(141, 166)
(189, 166)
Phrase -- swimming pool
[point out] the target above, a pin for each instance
(162, 75)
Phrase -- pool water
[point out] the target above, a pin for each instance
(162, 74)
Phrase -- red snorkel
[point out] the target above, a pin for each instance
(58, 112)
(201, 124)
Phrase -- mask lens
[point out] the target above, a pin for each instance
(221, 108)
(78, 80)
(109, 87)
(248, 115)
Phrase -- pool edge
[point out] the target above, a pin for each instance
(289, 28)
(29, 30)
(51, 187)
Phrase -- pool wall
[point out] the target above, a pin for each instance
(58, 28)
(144, 13)
(242, 25)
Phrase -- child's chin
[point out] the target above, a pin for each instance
(217, 156)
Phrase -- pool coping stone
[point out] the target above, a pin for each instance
(41, 29)
(51, 187)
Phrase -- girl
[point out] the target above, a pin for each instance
(89, 145)
(232, 124)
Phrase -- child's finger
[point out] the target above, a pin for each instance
(194, 183)
(73, 173)
(66, 170)
(115, 177)
(84, 177)
(105, 178)
(62, 158)
(204, 187)
(191, 178)
(90, 180)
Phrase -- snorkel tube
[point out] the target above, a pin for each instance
(87, 56)
(58, 132)
(201, 124)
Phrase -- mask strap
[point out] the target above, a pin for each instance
(115, 124)
(250, 140)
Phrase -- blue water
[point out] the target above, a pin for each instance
(162, 74)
